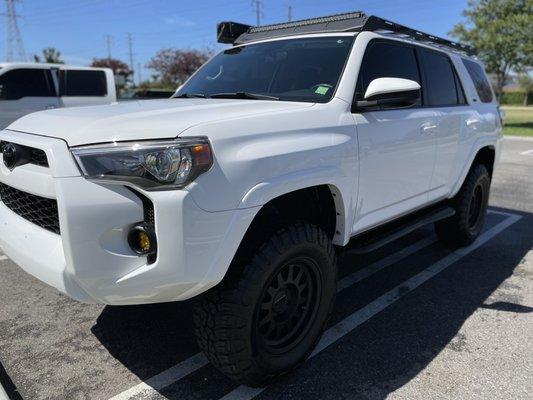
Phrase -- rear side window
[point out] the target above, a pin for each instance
(19, 83)
(80, 83)
(386, 60)
(441, 82)
(480, 80)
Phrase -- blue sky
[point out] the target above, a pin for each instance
(78, 27)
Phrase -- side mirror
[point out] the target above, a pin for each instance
(389, 92)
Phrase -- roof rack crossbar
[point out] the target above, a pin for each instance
(231, 32)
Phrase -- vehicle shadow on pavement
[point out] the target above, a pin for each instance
(379, 357)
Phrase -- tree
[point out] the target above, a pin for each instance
(50, 55)
(118, 67)
(502, 33)
(174, 66)
(526, 83)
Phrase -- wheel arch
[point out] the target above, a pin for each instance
(485, 153)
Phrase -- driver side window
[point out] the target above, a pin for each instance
(387, 60)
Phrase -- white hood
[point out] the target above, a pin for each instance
(136, 120)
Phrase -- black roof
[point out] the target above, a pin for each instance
(236, 33)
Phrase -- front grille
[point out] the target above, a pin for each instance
(36, 156)
(38, 210)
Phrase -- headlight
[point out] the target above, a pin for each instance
(156, 165)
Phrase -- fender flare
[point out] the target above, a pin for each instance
(330, 176)
(475, 149)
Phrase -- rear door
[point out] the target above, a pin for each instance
(25, 90)
(81, 87)
(396, 145)
(443, 92)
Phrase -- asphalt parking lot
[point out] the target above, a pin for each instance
(412, 321)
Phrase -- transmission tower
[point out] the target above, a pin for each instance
(258, 9)
(15, 46)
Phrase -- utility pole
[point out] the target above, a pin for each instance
(258, 9)
(290, 13)
(130, 48)
(139, 72)
(109, 42)
(14, 38)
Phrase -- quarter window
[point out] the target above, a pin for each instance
(19, 83)
(81, 83)
(440, 79)
(386, 60)
(480, 80)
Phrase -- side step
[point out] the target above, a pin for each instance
(380, 236)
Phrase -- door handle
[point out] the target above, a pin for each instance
(50, 107)
(472, 122)
(428, 128)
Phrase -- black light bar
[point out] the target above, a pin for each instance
(234, 33)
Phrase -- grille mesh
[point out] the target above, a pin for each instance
(38, 210)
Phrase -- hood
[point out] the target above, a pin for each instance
(136, 120)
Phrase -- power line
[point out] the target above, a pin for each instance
(14, 38)
(258, 5)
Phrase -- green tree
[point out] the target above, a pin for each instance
(50, 55)
(502, 33)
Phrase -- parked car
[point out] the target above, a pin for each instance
(298, 141)
(28, 87)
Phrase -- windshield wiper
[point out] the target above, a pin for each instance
(243, 95)
(190, 96)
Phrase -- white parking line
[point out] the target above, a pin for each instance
(179, 371)
(527, 153)
(3, 394)
(364, 314)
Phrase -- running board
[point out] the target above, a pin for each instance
(380, 236)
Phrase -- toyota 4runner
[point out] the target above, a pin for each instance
(297, 141)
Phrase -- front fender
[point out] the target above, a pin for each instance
(332, 176)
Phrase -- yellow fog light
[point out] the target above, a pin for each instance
(142, 239)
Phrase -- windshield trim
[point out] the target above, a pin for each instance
(296, 37)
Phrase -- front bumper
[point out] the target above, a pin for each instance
(91, 260)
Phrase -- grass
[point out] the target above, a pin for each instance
(518, 121)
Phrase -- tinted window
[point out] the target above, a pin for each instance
(19, 83)
(440, 79)
(83, 83)
(387, 60)
(292, 70)
(480, 80)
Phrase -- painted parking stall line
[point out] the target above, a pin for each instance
(152, 386)
(354, 320)
(527, 153)
(181, 370)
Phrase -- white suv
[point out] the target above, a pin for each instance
(280, 151)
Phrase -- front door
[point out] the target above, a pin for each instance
(396, 146)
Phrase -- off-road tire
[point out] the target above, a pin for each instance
(227, 317)
(466, 225)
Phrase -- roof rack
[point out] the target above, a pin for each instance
(235, 33)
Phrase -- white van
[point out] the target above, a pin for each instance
(27, 87)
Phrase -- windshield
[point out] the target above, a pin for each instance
(292, 70)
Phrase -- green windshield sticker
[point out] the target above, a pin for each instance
(322, 90)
